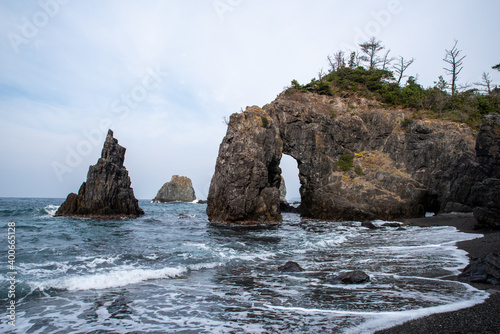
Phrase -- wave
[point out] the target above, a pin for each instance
(113, 279)
(49, 210)
(118, 277)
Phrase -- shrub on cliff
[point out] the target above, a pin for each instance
(345, 162)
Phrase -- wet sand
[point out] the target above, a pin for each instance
(481, 318)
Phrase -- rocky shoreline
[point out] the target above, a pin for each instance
(481, 318)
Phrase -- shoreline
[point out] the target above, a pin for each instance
(480, 318)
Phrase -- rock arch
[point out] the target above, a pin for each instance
(394, 168)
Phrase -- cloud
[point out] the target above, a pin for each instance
(89, 62)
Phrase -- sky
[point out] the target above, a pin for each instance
(164, 75)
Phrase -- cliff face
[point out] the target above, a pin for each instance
(401, 166)
(411, 178)
(107, 192)
(485, 192)
(180, 188)
(245, 186)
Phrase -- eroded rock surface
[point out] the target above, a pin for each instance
(245, 186)
(485, 270)
(398, 165)
(350, 277)
(486, 190)
(179, 189)
(107, 193)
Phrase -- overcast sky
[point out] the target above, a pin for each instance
(164, 74)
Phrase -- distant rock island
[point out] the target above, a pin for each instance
(358, 160)
(107, 193)
(179, 189)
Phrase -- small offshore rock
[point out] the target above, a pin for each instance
(370, 225)
(179, 189)
(290, 267)
(285, 207)
(350, 277)
(391, 225)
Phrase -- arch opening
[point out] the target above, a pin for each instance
(290, 173)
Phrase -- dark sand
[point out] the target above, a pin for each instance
(481, 318)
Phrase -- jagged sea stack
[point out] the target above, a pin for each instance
(245, 186)
(107, 193)
(179, 189)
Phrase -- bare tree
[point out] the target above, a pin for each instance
(455, 60)
(401, 67)
(370, 50)
(331, 60)
(339, 59)
(386, 60)
(321, 74)
(486, 83)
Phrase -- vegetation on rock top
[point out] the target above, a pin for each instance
(370, 75)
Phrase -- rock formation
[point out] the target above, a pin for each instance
(290, 267)
(485, 192)
(357, 160)
(245, 186)
(485, 270)
(283, 190)
(179, 189)
(107, 193)
(350, 277)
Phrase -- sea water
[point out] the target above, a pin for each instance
(170, 271)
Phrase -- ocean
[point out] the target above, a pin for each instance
(171, 271)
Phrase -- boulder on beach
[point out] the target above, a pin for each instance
(107, 193)
(485, 270)
(179, 189)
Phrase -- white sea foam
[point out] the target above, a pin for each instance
(389, 319)
(51, 209)
(330, 242)
(385, 319)
(112, 279)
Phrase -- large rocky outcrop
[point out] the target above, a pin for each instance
(485, 192)
(358, 159)
(107, 193)
(179, 189)
(245, 186)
